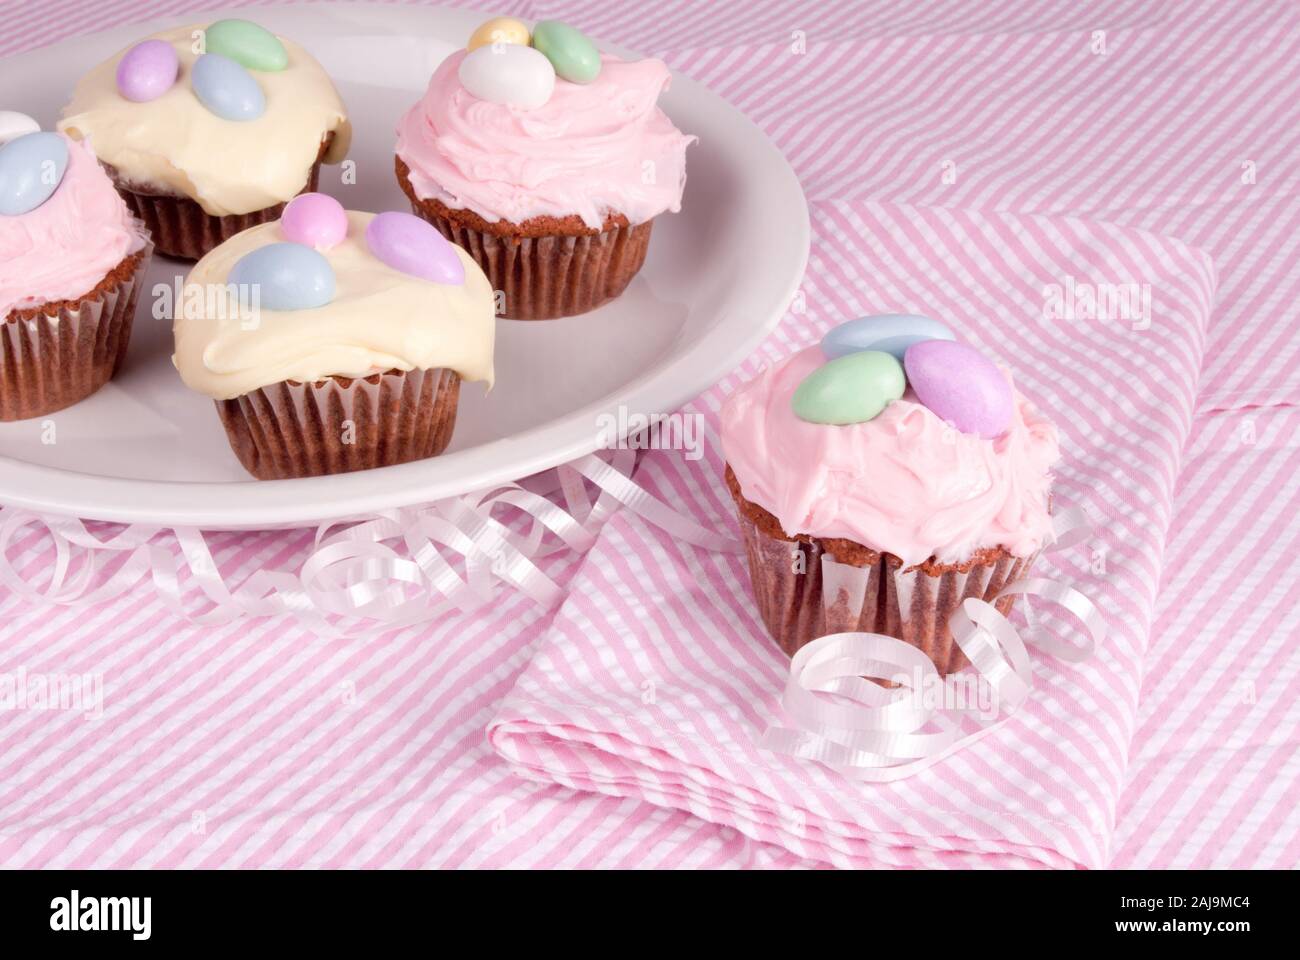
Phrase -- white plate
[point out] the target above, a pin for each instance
(718, 278)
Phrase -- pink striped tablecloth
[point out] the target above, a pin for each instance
(942, 146)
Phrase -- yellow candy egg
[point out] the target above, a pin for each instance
(501, 30)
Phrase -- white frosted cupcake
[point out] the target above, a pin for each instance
(208, 130)
(333, 341)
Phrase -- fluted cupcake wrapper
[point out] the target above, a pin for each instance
(548, 277)
(291, 429)
(54, 358)
(803, 592)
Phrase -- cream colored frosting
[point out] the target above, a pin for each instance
(380, 319)
(229, 167)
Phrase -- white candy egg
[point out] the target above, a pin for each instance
(508, 73)
(14, 125)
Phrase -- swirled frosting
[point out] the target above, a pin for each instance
(176, 143)
(380, 319)
(67, 245)
(904, 483)
(592, 149)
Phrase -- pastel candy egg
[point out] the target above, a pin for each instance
(574, 57)
(288, 276)
(31, 169)
(248, 44)
(411, 245)
(888, 332)
(961, 386)
(509, 74)
(226, 88)
(14, 125)
(850, 389)
(500, 30)
(147, 71)
(314, 220)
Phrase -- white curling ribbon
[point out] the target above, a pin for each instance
(356, 579)
(876, 734)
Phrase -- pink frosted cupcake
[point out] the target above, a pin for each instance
(547, 161)
(72, 261)
(878, 488)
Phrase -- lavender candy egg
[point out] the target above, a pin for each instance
(887, 332)
(147, 71)
(961, 386)
(409, 244)
(314, 220)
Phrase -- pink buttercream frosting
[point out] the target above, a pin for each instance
(67, 245)
(904, 483)
(592, 149)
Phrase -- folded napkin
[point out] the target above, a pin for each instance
(657, 680)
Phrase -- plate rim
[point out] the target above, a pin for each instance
(301, 502)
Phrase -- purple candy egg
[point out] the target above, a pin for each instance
(409, 244)
(315, 220)
(147, 71)
(960, 385)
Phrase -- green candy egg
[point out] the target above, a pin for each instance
(248, 44)
(853, 388)
(574, 57)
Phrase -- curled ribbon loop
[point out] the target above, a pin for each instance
(877, 734)
(397, 568)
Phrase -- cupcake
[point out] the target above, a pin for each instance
(72, 261)
(209, 131)
(881, 479)
(547, 161)
(334, 340)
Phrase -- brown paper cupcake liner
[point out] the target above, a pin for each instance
(337, 425)
(58, 354)
(808, 587)
(181, 228)
(546, 267)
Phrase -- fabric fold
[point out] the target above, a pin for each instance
(656, 679)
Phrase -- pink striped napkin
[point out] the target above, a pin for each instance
(656, 679)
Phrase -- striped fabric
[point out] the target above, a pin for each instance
(958, 157)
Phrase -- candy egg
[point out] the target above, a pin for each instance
(411, 245)
(14, 125)
(248, 44)
(147, 70)
(315, 220)
(288, 276)
(509, 74)
(31, 169)
(889, 332)
(961, 386)
(500, 30)
(850, 389)
(226, 88)
(574, 57)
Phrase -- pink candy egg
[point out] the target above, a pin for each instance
(961, 386)
(147, 71)
(314, 220)
(411, 245)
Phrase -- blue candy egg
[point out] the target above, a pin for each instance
(287, 276)
(226, 88)
(31, 169)
(887, 332)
